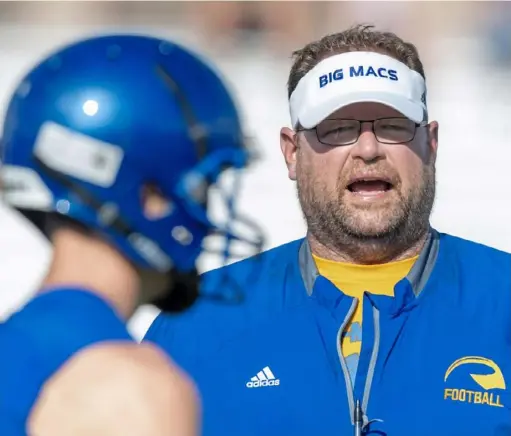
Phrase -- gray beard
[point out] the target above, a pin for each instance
(330, 223)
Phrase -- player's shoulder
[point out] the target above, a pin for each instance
(119, 368)
(136, 378)
(142, 372)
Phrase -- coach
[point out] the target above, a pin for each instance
(374, 323)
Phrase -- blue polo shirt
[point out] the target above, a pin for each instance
(435, 359)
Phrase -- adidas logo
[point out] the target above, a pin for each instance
(263, 378)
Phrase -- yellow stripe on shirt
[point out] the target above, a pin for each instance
(354, 280)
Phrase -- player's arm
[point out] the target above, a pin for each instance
(117, 389)
(65, 375)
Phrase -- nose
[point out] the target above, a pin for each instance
(367, 147)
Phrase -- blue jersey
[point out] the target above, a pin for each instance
(435, 358)
(37, 340)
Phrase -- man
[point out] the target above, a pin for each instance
(110, 147)
(375, 323)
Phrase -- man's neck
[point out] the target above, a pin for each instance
(366, 252)
(87, 262)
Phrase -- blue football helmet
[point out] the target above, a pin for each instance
(94, 123)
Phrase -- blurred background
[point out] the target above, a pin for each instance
(465, 46)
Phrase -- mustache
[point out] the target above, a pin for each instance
(383, 172)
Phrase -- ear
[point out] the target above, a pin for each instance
(289, 147)
(433, 136)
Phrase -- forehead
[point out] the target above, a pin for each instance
(366, 111)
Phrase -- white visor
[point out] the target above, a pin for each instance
(357, 77)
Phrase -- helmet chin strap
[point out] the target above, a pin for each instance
(182, 292)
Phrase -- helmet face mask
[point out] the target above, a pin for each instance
(91, 127)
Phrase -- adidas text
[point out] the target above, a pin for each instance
(263, 383)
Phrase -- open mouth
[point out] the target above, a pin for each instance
(369, 186)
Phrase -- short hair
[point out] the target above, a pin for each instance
(360, 37)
